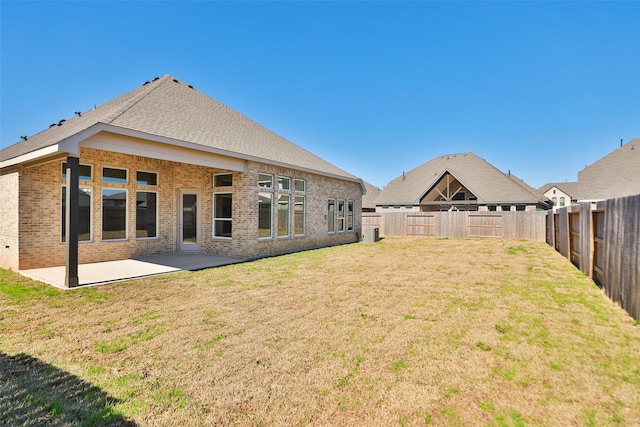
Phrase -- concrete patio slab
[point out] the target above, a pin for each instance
(99, 273)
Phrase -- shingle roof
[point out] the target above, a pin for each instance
(171, 109)
(570, 188)
(370, 196)
(615, 175)
(484, 180)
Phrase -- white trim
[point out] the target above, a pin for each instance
(126, 214)
(288, 222)
(157, 214)
(126, 170)
(271, 194)
(43, 152)
(157, 184)
(304, 215)
(86, 187)
(189, 247)
(214, 218)
(221, 174)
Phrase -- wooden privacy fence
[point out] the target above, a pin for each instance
(603, 240)
(529, 225)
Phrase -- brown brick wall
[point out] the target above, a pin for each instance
(40, 210)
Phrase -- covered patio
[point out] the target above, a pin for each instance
(100, 273)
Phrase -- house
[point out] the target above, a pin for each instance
(561, 193)
(163, 169)
(615, 175)
(462, 182)
(368, 198)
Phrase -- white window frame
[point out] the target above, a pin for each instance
(126, 214)
(288, 220)
(222, 174)
(271, 197)
(281, 181)
(304, 215)
(331, 217)
(265, 187)
(148, 185)
(114, 183)
(213, 215)
(351, 204)
(62, 224)
(340, 220)
(64, 177)
(304, 185)
(157, 236)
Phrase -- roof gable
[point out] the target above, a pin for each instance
(173, 110)
(487, 183)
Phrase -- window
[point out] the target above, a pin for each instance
(146, 215)
(554, 191)
(222, 214)
(264, 215)
(283, 215)
(460, 195)
(555, 201)
(561, 201)
(521, 207)
(114, 214)
(299, 185)
(491, 208)
(341, 215)
(146, 178)
(265, 180)
(223, 180)
(84, 214)
(84, 172)
(506, 208)
(331, 216)
(350, 213)
(113, 175)
(298, 216)
(284, 184)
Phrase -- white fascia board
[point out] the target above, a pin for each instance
(43, 152)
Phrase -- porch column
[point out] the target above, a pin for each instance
(71, 222)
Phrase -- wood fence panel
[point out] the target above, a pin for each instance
(550, 230)
(598, 246)
(371, 220)
(586, 243)
(394, 224)
(574, 238)
(562, 236)
(486, 225)
(421, 224)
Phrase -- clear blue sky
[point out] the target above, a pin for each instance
(377, 88)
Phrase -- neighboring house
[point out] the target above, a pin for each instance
(615, 175)
(368, 198)
(462, 182)
(162, 169)
(561, 193)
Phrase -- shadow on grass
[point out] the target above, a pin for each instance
(35, 393)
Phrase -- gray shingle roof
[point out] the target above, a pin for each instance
(570, 188)
(484, 180)
(171, 109)
(615, 175)
(370, 196)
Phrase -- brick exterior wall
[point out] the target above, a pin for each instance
(9, 210)
(40, 211)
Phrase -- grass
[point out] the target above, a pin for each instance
(403, 332)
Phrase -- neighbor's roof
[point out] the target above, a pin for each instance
(476, 174)
(171, 109)
(371, 193)
(569, 188)
(615, 175)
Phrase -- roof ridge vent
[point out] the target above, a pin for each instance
(61, 122)
(23, 137)
(145, 83)
(176, 80)
(156, 78)
(78, 113)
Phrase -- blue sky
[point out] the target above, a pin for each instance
(377, 88)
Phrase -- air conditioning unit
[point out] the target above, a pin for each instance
(371, 235)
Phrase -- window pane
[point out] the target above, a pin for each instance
(264, 214)
(298, 217)
(350, 213)
(340, 215)
(114, 214)
(300, 184)
(84, 172)
(84, 214)
(331, 216)
(265, 180)
(146, 214)
(283, 215)
(225, 180)
(146, 178)
(222, 215)
(284, 184)
(114, 175)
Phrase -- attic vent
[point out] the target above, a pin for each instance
(191, 87)
(157, 78)
(53, 124)
(23, 137)
(176, 80)
(78, 113)
(145, 83)
(61, 122)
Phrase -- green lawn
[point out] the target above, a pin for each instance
(401, 332)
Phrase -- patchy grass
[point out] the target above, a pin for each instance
(403, 332)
